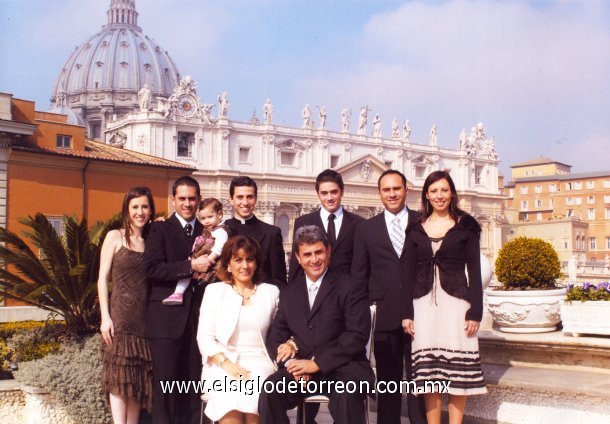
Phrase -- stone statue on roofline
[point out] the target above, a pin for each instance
(362, 120)
(377, 126)
(144, 96)
(345, 115)
(268, 112)
(433, 136)
(395, 131)
(322, 115)
(223, 105)
(306, 115)
(406, 130)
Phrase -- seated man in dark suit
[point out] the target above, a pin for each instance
(243, 192)
(337, 223)
(321, 328)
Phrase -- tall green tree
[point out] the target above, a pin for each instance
(61, 276)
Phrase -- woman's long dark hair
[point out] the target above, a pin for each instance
(134, 193)
(426, 207)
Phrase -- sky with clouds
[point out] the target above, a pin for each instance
(536, 73)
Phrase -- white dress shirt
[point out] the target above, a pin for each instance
(338, 219)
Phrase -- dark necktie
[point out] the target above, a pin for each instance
(188, 230)
(332, 235)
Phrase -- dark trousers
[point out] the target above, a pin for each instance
(345, 408)
(391, 348)
(176, 359)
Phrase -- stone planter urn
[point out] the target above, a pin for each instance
(590, 317)
(525, 311)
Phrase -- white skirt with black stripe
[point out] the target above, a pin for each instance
(441, 351)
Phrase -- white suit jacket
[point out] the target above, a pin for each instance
(219, 314)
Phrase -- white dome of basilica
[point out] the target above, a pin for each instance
(103, 76)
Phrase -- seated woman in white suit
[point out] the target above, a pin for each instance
(233, 323)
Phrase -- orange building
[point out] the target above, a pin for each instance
(544, 191)
(47, 166)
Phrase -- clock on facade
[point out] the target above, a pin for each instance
(187, 105)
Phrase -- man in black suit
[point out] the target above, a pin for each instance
(171, 330)
(379, 263)
(323, 321)
(337, 223)
(243, 192)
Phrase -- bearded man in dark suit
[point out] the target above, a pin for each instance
(379, 263)
(334, 220)
(171, 330)
(243, 193)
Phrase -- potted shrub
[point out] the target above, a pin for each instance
(586, 309)
(528, 301)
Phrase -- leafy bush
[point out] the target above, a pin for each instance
(33, 344)
(8, 329)
(72, 376)
(26, 341)
(588, 291)
(527, 263)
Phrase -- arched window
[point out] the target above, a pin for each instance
(283, 222)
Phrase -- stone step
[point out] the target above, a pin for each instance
(526, 394)
(545, 350)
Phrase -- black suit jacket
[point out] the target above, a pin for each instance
(377, 265)
(334, 332)
(166, 261)
(272, 248)
(343, 249)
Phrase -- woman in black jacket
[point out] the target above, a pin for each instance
(443, 306)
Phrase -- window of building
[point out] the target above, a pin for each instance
(607, 243)
(568, 186)
(577, 242)
(607, 213)
(578, 185)
(606, 183)
(524, 217)
(420, 171)
(244, 155)
(570, 213)
(288, 158)
(540, 172)
(389, 163)
(578, 200)
(524, 205)
(539, 216)
(334, 161)
(284, 223)
(550, 203)
(478, 175)
(590, 200)
(593, 243)
(590, 213)
(95, 129)
(538, 203)
(63, 141)
(569, 200)
(186, 141)
(590, 184)
(565, 244)
(57, 224)
(606, 198)
(538, 188)
(511, 193)
(552, 188)
(523, 190)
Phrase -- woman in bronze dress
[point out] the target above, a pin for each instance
(127, 363)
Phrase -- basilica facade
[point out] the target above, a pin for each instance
(285, 160)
